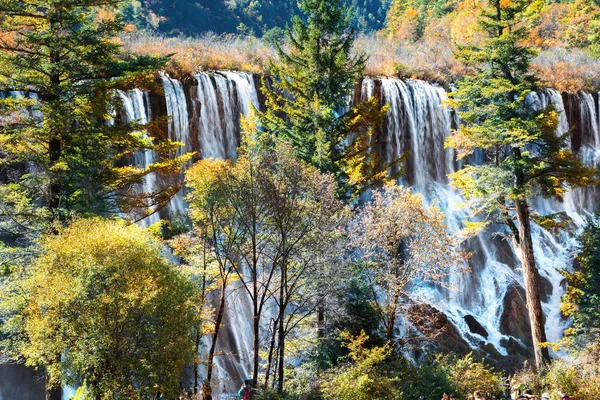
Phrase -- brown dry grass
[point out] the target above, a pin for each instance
(567, 70)
(209, 52)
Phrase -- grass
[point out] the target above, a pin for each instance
(209, 52)
(564, 69)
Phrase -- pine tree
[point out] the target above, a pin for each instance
(311, 88)
(60, 153)
(524, 157)
(582, 298)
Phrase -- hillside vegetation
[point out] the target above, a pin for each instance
(255, 17)
(418, 39)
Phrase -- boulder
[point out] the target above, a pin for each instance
(492, 351)
(436, 327)
(475, 326)
(513, 347)
(514, 320)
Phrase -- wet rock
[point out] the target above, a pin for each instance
(504, 251)
(513, 347)
(491, 350)
(475, 326)
(514, 320)
(436, 326)
(545, 289)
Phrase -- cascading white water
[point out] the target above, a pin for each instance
(215, 105)
(135, 106)
(179, 131)
(417, 122)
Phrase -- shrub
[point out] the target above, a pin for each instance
(362, 378)
(468, 375)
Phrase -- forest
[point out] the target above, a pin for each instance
(313, 199)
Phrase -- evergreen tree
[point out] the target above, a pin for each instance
(523, 155)
(582, 299)
(60, 152)
(308, 98)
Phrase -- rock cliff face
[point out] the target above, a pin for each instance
(485, 310)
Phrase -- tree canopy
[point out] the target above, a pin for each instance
(103, 296)
(310, 98)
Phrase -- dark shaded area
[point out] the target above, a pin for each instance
(20, 382)
(475, 326)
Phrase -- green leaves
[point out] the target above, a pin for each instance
(309, 100)
(581, 301)
(102, 304)
(522, 156)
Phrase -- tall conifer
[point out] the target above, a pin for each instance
(524, 156)
(63, 156)
(309, 100)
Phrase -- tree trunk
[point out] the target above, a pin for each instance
(256, 348)
(389, 331)
(55, 143)
(530, 276)
(53, 393)
(271, 350)
(255, 307)
(321, 320)
(281, 335)
(196, 358)
(213, 345)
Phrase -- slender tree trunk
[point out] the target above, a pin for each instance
(255, 307)
(321, 320)
(281, 335)
(531, 278)
(271, 350)
(196, 358)
(256, 349)
(55, 143)
(213, 345)
(389, 331)
(201, 308)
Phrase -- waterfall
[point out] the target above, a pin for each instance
(178, 130)
(205, 116)
(136, 108)
(418, 122)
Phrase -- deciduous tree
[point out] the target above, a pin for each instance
(401, 243)
(103, 296)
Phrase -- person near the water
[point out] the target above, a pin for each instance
(245, 392)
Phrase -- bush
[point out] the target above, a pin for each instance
(362, 378)
(578, 375)
(468, 375)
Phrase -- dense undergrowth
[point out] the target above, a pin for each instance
(381, 373)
